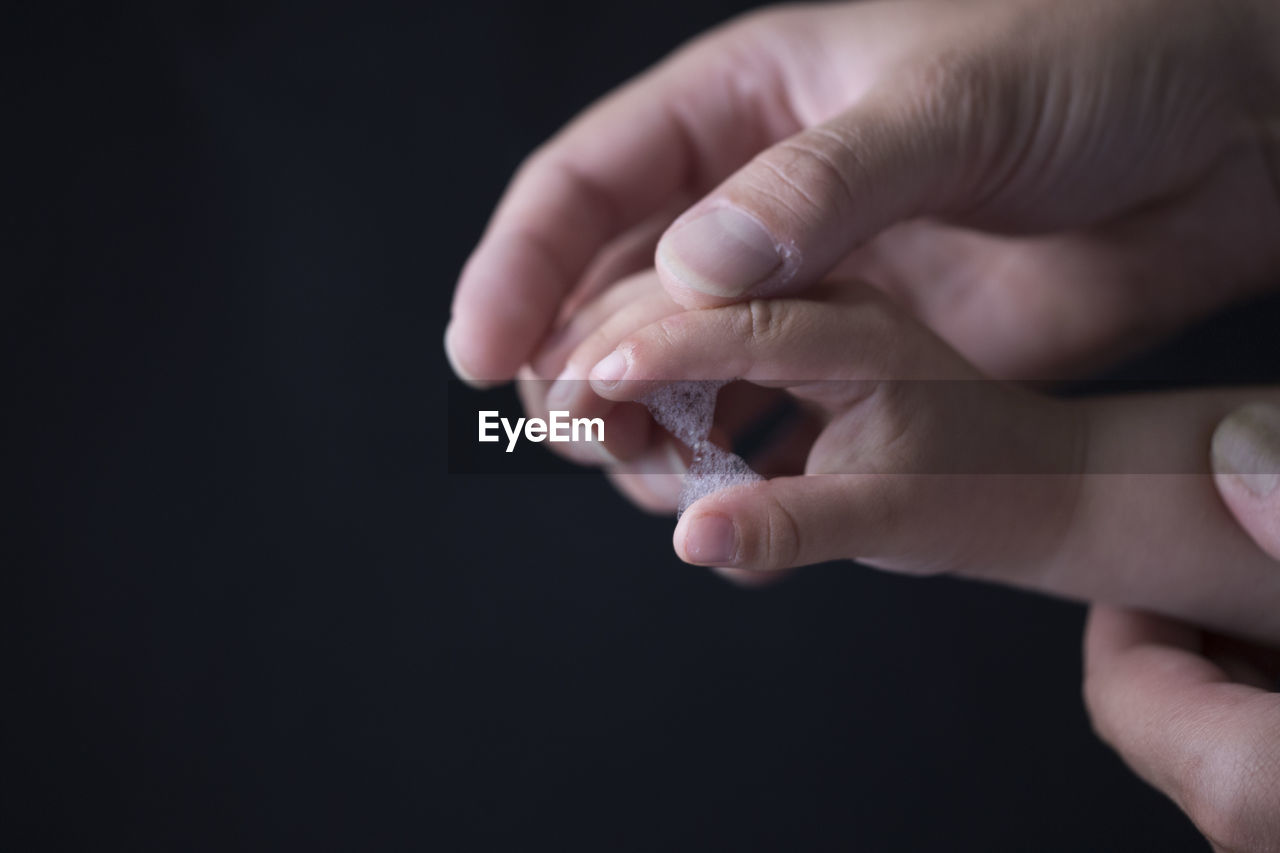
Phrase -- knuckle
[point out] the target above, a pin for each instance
(658, 342)
(668, 332)
(778, 545)
(954, 72)
(544, 167)
(759, 324)
(597, 338)
(900, 428)
(816, 174)
(889, 504)
(762, 322)
(972, 105)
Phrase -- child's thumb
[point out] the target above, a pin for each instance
(789, 521)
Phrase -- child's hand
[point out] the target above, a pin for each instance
(892, 400)
(922, 465)
(644, 462)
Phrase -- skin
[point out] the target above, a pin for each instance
(1047, 186)
(1191, 710)
(1194, 713)
(921, 465)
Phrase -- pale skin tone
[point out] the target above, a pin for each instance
(918, 464)
(1046, 186)
(1194, 713)
(1190, 711)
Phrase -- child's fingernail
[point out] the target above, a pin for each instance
(1246, 445)
(724, 252)
(663, 474)
(561, 391)
(711, 540)
(610, 370)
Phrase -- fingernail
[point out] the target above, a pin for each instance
(663, 474)
(561, 391)
(610, 370)
(711, 540)
(458, 370)
(672, 459)
(1246, 445)
(724, 252)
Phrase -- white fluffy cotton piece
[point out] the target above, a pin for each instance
(686, 409)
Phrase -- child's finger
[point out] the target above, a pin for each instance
(627, 426)
(629, 254)
(639, 297)
(652, 480)
(630, 304)
(792, 521)
(597, 331)
(854, 334)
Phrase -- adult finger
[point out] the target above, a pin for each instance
(1184, 726)
(626, 306)
(685, 124)
(916, 112)
(799, 207)
(1246, 465)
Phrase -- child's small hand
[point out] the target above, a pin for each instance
(892, 400)
(923, 465)
(641, 460)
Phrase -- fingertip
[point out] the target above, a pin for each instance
(720, 252)
(707, 539)
(1245, 453)
(460, 363)
(608, 372)
(1246, 444)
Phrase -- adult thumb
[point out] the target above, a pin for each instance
(1246, 466)
(795, 210)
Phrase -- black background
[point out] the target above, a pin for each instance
(250, 608)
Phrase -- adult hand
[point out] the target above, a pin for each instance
(1068, 175)
(1196, 714)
